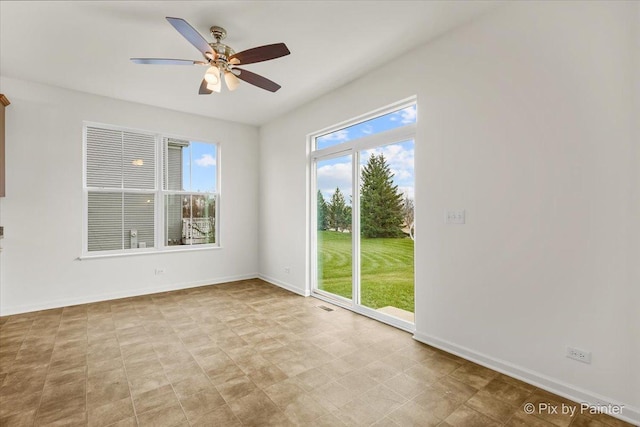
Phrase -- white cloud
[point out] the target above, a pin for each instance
(408, 115)
(331, 176)
(367, 130)
(399, 159)
(337, 136)
(206, 160)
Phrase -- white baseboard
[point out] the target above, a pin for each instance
(65, 302)
(284, 285)
(629, 414)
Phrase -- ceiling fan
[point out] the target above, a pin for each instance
(222, 60)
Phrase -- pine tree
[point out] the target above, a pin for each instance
(380, 202)
(321, 212)
(337, 211)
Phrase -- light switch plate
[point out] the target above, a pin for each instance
(454, 216)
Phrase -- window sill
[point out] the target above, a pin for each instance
(149, 252)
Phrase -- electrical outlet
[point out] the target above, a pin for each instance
(287, 270)
(579, 355)
(159, 271)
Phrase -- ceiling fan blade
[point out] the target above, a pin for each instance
(257, 80)
(165, 61)
(261, 53)
(194, 37)
(203, 88)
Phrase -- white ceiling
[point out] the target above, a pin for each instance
(86, 46)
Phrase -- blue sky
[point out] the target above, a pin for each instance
(392, 120)
(336, 172)
(201, 176)
(200, 160)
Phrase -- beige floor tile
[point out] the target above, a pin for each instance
(245, 351)
(329, 420)
(139, 385)
(236, 388)
(197, 405)
(283, 392)
(467, 417)
(76, 419)
(520, 419)
(254, 408)
(111, 412)
(154, 399)
(412, 414)
(584, 421)
(221, 416)
(21, 404)
(358, 382)
(383, 398)
(167, 416)
(381, 371)
(102, 393)
(508, 393)
(453, 389)
(405, 385)
(606, 419)
(127, 422)
(311, 379)
(267, 376)
(21, 418)
(475, 375)
(55, 410)
(437, 402)
(422, 373)
(359, 413)
(385, 422)
(193, 385)
(304, 410)
(488, 405)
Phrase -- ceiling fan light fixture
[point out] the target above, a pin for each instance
(216, 87)
(231, 80)
(212, 76)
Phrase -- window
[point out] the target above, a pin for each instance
(190, 192)
(362, 208)
(145, 191)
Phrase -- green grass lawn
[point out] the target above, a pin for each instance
(387, 269)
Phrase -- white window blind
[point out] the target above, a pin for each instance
(104, 158)
(105, 221)
(124, 161)
(148, 191)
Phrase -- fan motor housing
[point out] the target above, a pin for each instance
(222, 50)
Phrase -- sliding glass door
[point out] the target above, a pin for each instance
(386, 273)
(334, 261)
(362, 215)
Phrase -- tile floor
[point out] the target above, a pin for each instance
(244, 353)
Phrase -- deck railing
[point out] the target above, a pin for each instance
(198, 230)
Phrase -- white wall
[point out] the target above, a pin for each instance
(526, 120)
(42, 212)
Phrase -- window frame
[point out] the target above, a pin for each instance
(353, 148)
(159, 193)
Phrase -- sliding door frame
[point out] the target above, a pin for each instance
(352, 148)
